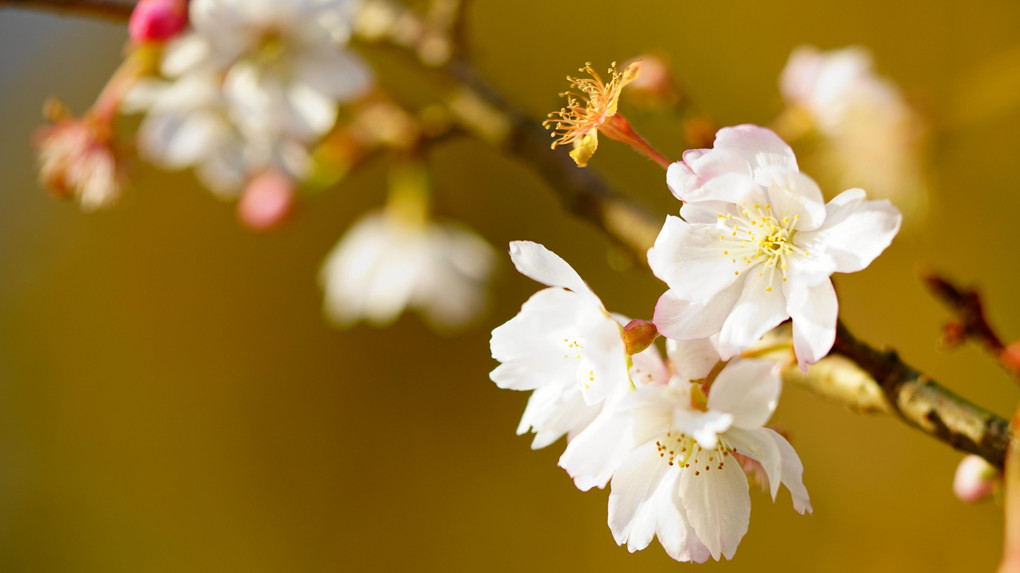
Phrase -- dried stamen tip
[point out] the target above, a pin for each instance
(577, 124)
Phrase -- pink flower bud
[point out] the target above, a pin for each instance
(267, 201)
(157, 20)
(975, 479)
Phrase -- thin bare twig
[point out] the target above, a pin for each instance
(105, 9)
(971, 320)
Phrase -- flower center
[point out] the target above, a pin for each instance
(758, 238)
(684, 452)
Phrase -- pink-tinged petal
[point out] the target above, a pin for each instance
(795, 196)
(691, 260)
(757, 311)
(761, 147)
(692, 359)
(749, 390)
(792, 473)
(856, 231)
(758, 445)
(718, 505)
(593, 455)
(697, 177)
(814, 310)
(681, 320)
(539, 263)
(679, 176)
(632, 511)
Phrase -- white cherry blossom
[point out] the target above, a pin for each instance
(563, 345)
(756, 245)
(682, 480)
(386, 263)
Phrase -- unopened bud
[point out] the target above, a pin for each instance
(975, 479)
(157, 20)
(639, 335)
(267, 201)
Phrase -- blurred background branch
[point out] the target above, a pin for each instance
(107, 9)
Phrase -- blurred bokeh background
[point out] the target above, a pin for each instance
(171, 399)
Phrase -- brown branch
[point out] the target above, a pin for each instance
(927, 406)
(105, 9)
(971, 320)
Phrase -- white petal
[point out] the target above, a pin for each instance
(555, 411)
(814, 310)
(313, 113)
(183, 54)
(710, 175)
(692, 359)
(632, 514)
(792, 473)
(704, 426)
(759, 445)
(718, 506)
(681, 320)
(603, 368)
(533, 346)
(593, 455)
(689, 258)
(748, 389)
(795, 195)
(756, 312)
(338, 74)
(761, 147)
(675, 533)
(539, 263)
(856, 231)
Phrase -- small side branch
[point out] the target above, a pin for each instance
(104, 9)
(971, 320)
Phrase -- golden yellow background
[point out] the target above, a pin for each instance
(171, 400)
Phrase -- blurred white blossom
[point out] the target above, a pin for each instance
(77, 159)
(249, 88)
(871, 137)
(386, 263)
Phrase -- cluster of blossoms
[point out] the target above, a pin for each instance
(754, 245)
(248, 88)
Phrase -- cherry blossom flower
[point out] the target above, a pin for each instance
(386, 263)
(563, 344)
(872, 138)
(757, 245)
(681, 480)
